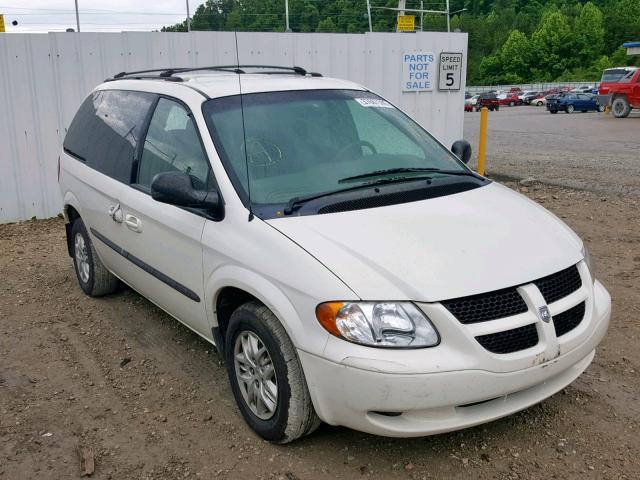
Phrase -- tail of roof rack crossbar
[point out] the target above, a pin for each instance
(167, 73)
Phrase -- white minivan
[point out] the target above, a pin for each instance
(347, 266)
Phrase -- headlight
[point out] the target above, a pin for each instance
(590, 264)
(399, 325)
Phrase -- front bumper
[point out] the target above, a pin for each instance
(362, 394)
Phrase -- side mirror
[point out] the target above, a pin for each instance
(175, 188)
(462, 150)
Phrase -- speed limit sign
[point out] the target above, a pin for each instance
(450, 71)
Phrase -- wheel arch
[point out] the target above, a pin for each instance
(71, 212)
(231, 286)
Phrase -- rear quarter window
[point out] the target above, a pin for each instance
(106, 131)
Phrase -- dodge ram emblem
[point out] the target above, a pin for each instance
(545, 314)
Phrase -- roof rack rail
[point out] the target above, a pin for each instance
(168, 73)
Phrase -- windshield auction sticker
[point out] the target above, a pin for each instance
(418, 71)
(373, 102)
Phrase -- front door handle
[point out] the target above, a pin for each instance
(133, 223)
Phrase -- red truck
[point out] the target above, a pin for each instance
(620, 88)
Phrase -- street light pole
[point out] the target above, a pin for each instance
(77, 18)
(188, 17)
(369, 15)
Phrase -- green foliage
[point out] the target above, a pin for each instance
(510, 41)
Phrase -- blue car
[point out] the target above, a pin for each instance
(571, 102)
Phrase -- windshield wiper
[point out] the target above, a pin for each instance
(389, 171)
(295, 202)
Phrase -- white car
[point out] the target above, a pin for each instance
(348, 267)
(472, 100)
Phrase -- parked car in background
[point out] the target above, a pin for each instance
(515, 90)
(610, 78)
(571, 102)
(583, 89)
(468, 107)
(623, 95)
(510, 99)
(472, 101)
(539, 101)
(527, 96)
(489, 100)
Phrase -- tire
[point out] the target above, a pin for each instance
(538, 104)
(554, 111)
(292, 414)
(511, 104)
(93, 277)
(600, 108)
(620, 107)
(570, 109)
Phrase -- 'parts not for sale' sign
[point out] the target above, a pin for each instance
(419, 71)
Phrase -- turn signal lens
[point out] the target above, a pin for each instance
(384, 324)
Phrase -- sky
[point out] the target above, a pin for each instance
(41, 16)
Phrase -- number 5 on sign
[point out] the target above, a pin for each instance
(450, 72)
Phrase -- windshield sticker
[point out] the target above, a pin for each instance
(373, 102)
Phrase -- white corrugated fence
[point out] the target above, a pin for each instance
(45, 77)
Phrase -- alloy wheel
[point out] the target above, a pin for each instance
(82, 257)
(256, 375)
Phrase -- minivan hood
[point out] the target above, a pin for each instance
(446, 247)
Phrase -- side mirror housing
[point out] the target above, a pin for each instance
(462, 150)
(176, 188)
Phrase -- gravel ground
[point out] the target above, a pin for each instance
(592, 151)
(121, 379)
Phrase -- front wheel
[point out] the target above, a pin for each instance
(600, 108)
(620, 107)
(554, 111)
(266, 376)
(570, 109)
(511, 104)
(539, 104)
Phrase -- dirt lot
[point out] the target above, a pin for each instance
(584, 150)
(151, 400)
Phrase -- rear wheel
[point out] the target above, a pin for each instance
(511, 104)
(266, 376)
(553, 111)
(539, 104)
(620, 107)
(600, 108)
(93, 277)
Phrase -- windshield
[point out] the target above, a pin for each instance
(303, 143)
(614, 75)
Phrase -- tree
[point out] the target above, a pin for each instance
(326, 25)
(552, 46)
(589, 33)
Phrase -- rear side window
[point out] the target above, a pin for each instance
(106, 130)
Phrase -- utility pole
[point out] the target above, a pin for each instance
(421, 15)
(77, 18)
(401, 6)
(286, 15)
(448, 18)
(369, 14)
(188, 17)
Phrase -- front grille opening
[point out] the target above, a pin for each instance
(569, 319)
(486, 306)
(559, 285)
(508, 302)
(510, 341)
